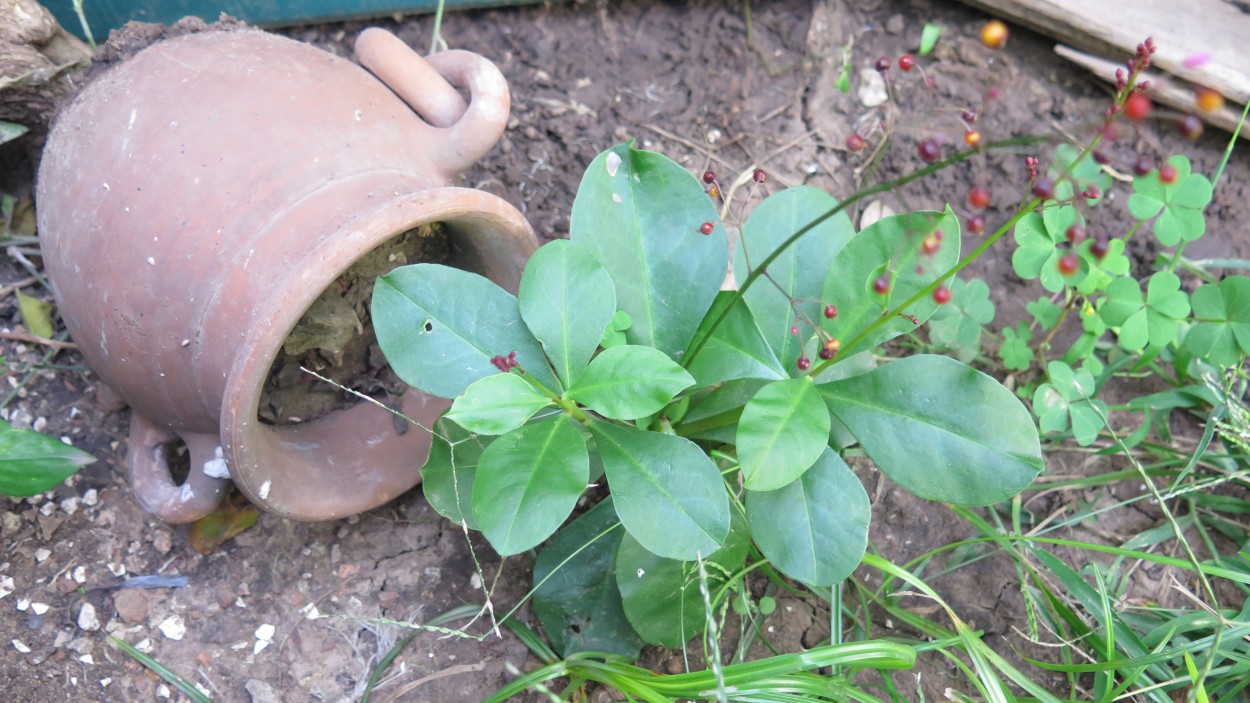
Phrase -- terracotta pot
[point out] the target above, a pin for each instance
(195, 200)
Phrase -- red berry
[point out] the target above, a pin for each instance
(1068, 264)
(831, 311)
(855, 143)
(1167, 174)
(759, 176)
(1091, 192)
(941, 295)
(1043, 188)
(1190, 127)
(929, 150)
(804, 363)
(1099, 247)
(979, 198)
(907, 63)
(976, 224)
(994, 93)
(709, 176)
(707, 227)
(883, 64)
(1101, 157)
(931, 244)
(1137, 107)
(825, 354)
(882, 284)
(1143, 165)
(794, 330)
(969, 116)
(1075, 234)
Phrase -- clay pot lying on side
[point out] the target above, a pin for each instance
(197, 199)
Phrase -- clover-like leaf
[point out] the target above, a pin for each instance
(957, 325)
(1045, 312)
(1038, 239)
(1084, 173)
(1150, 321)
(1222, 314)
(781, 433)
(629, 382)
(1101, 271)
(1068, 401)
(1015, 351)
(497, 404)
(1179, 204)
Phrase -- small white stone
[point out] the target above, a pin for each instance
(86, 659)
(216, 467)
(39, 608)
(6, 585)
(151, 261)
(872, 90)
(91, 498)
(263, 493)
(42, 553)
(70, 505)
(117, 569)
(173, 627)
(266, 632)
(104, 683)
(22, 604)
(21, 647)
(80, 574)
(162, 691)
(47, 509)
(145, 645)
(87, 618)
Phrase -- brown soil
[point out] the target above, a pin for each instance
(692, 80)
(335, 337)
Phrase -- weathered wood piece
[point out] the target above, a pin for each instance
(37, 61)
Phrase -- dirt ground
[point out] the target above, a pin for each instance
(698, 81)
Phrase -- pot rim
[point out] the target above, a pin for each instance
(478, 220)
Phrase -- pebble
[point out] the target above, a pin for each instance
(260, 692)
(173, 627)
(872, 90)
(87, 618)
(131, 605)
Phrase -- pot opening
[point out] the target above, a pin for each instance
(178, 460)
(335, 337)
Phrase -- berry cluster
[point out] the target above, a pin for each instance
(506, 363)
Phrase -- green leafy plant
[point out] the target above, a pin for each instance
(718, 423)
(31, 463)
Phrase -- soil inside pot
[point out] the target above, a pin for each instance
(335, 337)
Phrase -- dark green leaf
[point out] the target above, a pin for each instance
(567, 300)
(896, 241)
(629, 382)
(439, 327)
(448, 474)
(799, 271)
(1222, 332)
(575, 593)
(497, 404)
(782, 432)
(815, 529)
(714, 415)
(528, 482)
(31, 463)
(941, 429)
(736, 349)
(639, 213)
(667, 491)
(661, 596)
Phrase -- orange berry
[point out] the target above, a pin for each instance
(972, 138)
(994, 34)
(1208, 100)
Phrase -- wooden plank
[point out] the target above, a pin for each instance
(1181, 29)
(1163, 88)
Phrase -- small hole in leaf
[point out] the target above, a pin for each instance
(575, 628)
(429, 326)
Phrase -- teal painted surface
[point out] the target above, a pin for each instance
(106, 15)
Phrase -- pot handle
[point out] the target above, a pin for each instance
(466, 132)
(155, 488)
